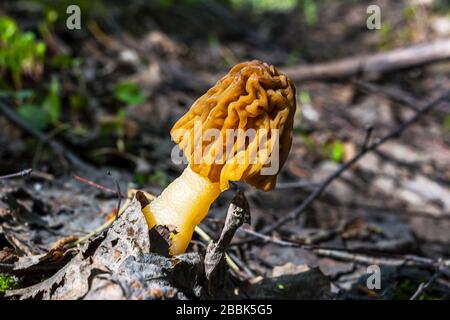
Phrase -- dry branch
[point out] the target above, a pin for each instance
(20, 174)
(55, 145)
(374, 64)
(238, 213)
(353, 255)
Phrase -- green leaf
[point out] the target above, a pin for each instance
(19, 50)
(8, 28)
(262, 6)
(337, 152)
(20, 94)
(310, 12)
(34, 116)
(305, 98)
(129, 93)
(40, 49)
(51, 102)
(51, 16)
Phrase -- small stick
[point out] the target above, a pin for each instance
(423, 286)
(369, 131)
(296, 185)
(237, 214)
(353, 255)
(118, 193)
(208, 239)
(378, 63)
(19, 174)
(93, 184)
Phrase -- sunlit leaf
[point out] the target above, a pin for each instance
(129, 93)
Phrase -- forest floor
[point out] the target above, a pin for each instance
(95, 117)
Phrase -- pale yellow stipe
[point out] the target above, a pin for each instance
(183, 204)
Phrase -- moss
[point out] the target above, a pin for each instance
(7, 282)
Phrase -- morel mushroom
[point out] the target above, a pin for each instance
(240, 130)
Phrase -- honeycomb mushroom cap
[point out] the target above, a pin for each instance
(253, 95)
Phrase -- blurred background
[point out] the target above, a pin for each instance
(109, 92)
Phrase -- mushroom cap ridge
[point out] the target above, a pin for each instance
(230, 133)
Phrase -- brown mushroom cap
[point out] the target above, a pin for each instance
(253, 95)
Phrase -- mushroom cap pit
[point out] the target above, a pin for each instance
(240, 127)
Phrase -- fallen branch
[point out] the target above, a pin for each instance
(374, 64)
(55, 145)
(353, 255)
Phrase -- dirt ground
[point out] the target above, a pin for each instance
(99, 108)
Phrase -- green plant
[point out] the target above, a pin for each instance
(40, 115)
(19, 51)
(310, 12)
(334, 151)
(129, 93)
(51, 104)
(305, 98)
(64, 61)
(33, 115)
(17, 94)
(261, 6)
(7, 282)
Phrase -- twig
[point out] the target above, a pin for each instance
(51, 135)
(296, 185)
(374, 64)
(353, 255)
(118, 193)
(394, 94)
(55, 145)
(97, 231)
(237, 214)
(19, 174)
(423, 286)
(93, 184)
(369, 132)
(294, 214)
(202, 234)
(390, 93)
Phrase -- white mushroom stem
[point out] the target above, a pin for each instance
(183, 204)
